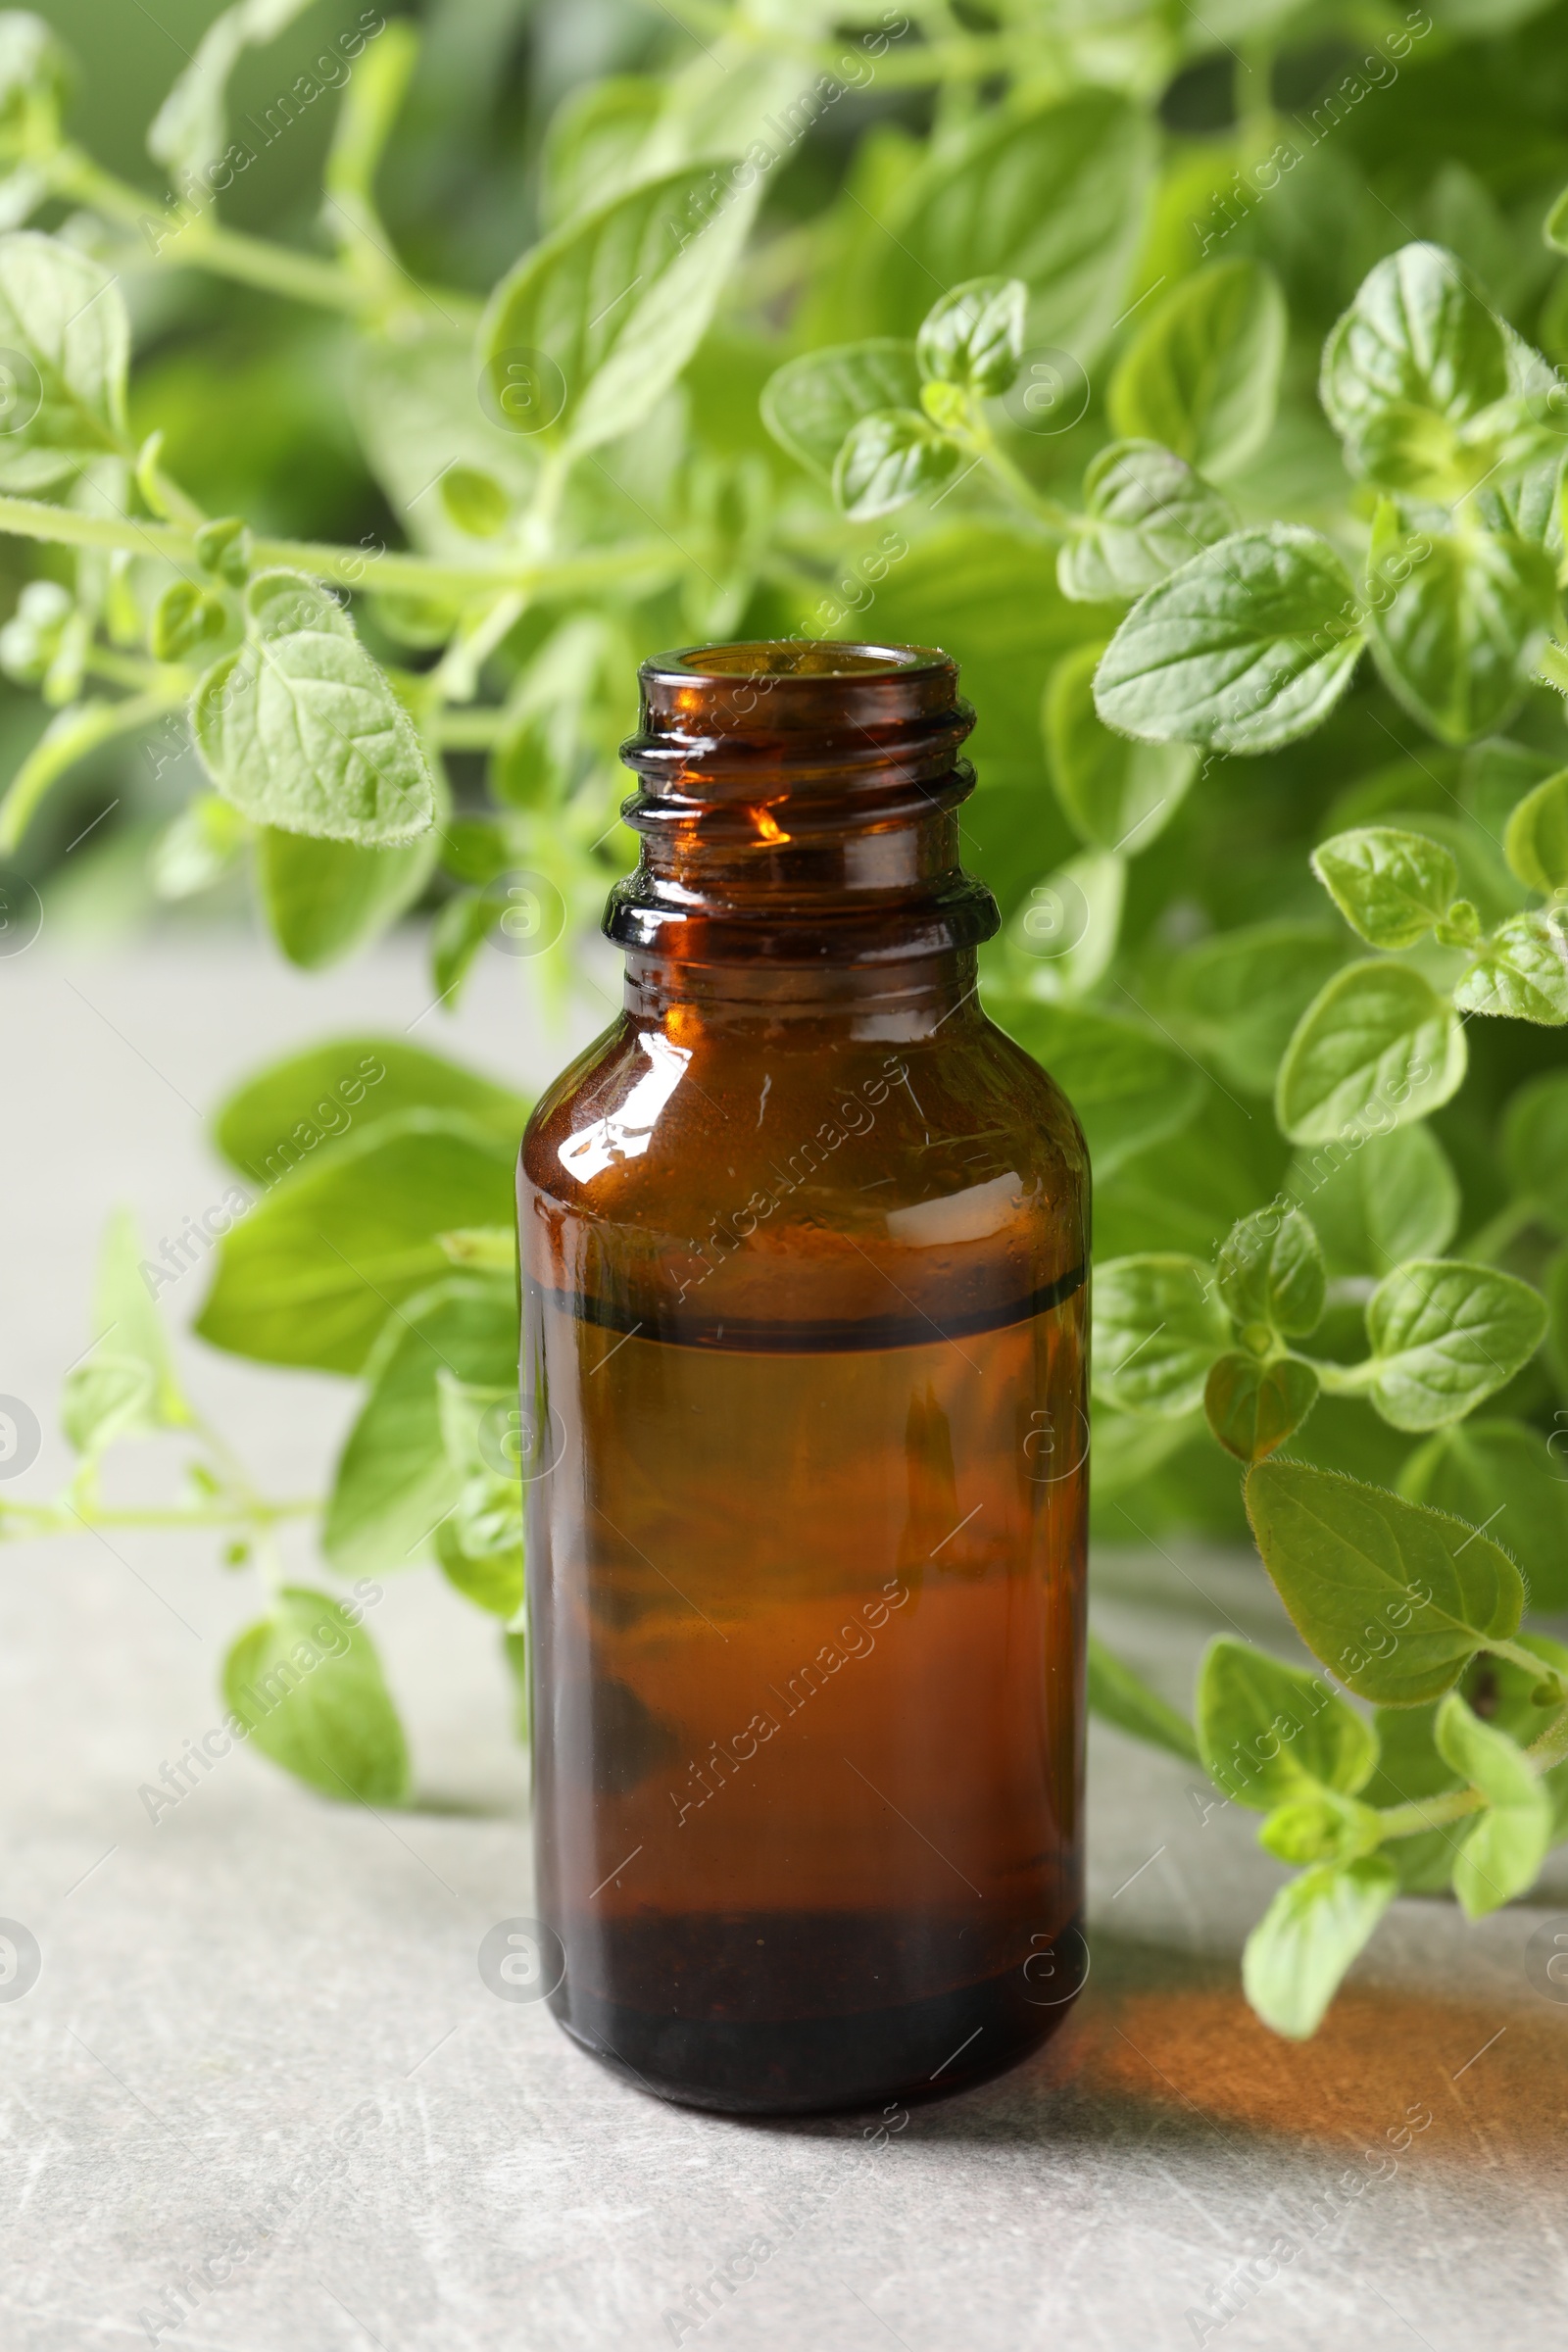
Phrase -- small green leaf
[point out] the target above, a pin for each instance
(1522, 974)
(1271, 1272)
(1253, 1408)
(1389, 885)
(889, 458)
(188, 619)
(127, 1324)
(1118, 796)
(975, 335)
(1157, 1327)
(1500, 1475)
(395, 1481)
(189, 131)
(128, 1386)
(1127, 1086)
(1555, 227)
(32, 640)
(286, 1113)
(1414, 338)
(1536, 843)
(34, 79)
(1378, 1199)
(222, 548)
(1247, 647)
(1377, 1046)
(1203, 373)
(198, 848)
(476, 501)
(321, 1261)
(459, 930)
(810, 403)
(1458, 639)
(324, 898)
(63, 317)
(1502, 1854)
(1146, 513)
(596, 140)
(1052, 192)
(1118, 1695)
(109, 1396)
(301, 729)
(307, 1684)
(1444, 1334)
(606, 313)
(1268, 1732)
(1395, 1598)
(1238, 996)
(1322, 1827)
(1296, 1955)
(467, 1404)
(1061, 940)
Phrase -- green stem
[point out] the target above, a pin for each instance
(636, 568)
(970, 56)
(1047, 512)
(1517, 1655)
(69, 738)
(455, 678)
(369, 107)
(51, 1519)
(1428, 1813)
(1435, 1812)
(1338, 1380)
(201, 242)
(64, 526)
(127, 669)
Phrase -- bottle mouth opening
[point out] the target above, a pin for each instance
(778, 659)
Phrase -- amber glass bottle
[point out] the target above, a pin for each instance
(802, 1241)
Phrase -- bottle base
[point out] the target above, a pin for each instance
(918, 2050)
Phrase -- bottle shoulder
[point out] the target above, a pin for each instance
(782, 1175)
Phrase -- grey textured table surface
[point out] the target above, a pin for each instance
(260, 2038)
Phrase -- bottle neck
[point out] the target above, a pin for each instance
(797, 808)
(899, 1003)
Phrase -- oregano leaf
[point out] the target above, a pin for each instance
(301, 729)
(1294, 1959)
(1389, 885)
(1395, 1598)
(306, 1684)
(1502, 1854)
(1247, 646)
(1146, 513)
(1445, 1336)
(608, 311)
(67, 334)
(1201, 374)
(1376, 1047)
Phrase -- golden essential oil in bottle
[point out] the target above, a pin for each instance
(803, 1242)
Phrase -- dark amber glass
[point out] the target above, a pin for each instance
(804, 1241)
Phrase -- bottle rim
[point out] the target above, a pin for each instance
(781, 662)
